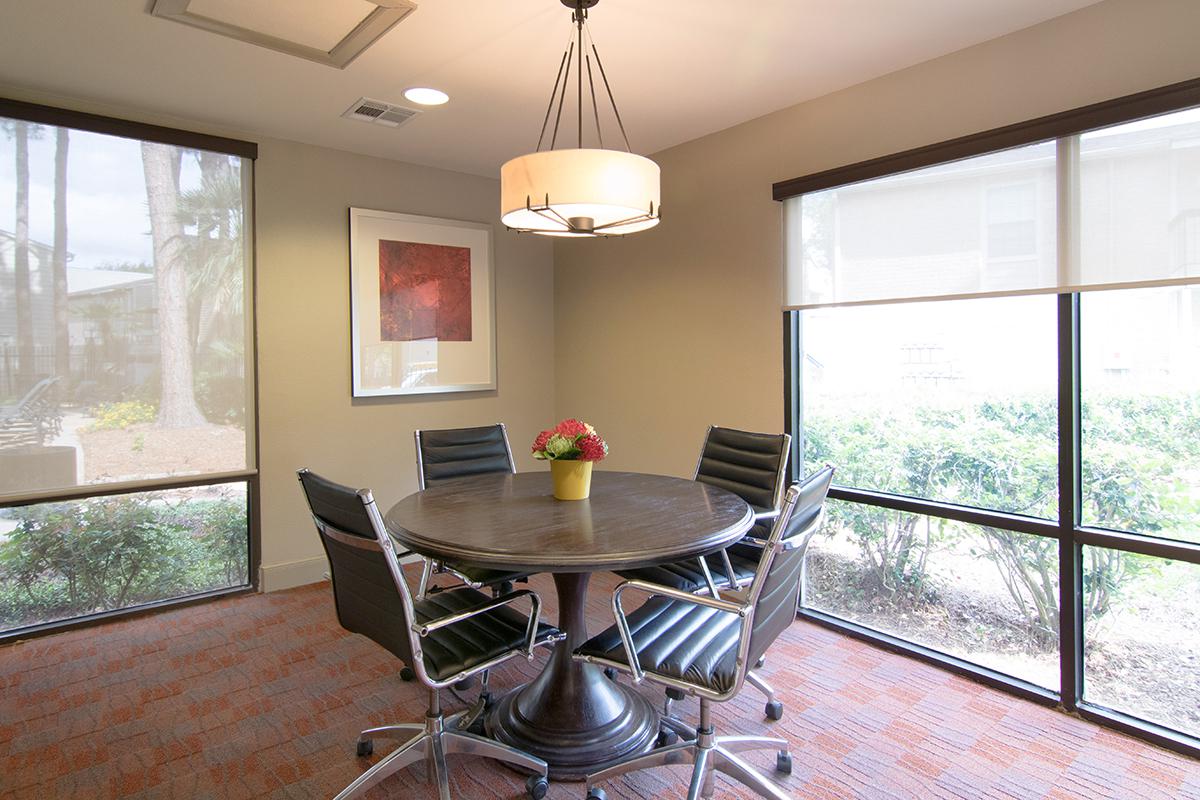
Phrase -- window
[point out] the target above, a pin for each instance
(984, 594)
(1141, 411)
(1143, 641)
(126, 427)
(1001, 356)
(949, 401)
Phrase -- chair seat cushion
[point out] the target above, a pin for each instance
(483, 576)
(464, 645)
(677, 639)
(687, 577)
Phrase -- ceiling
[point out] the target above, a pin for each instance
(679, 69)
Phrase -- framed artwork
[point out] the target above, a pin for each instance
(422, 305)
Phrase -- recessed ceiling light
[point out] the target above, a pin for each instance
(425, 96)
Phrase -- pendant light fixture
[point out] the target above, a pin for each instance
(583, 192)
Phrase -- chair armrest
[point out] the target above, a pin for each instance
(635, 667)
(798, 539)
(535, 613)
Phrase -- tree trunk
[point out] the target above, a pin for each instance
(21, 280)
(62, 325)
(177, 407)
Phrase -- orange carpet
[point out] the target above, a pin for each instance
(263, 697)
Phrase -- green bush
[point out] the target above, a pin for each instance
(1003, 456)
(70, 559)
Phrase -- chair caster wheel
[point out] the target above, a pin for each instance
(596, 794)
(537, 786)
(783, 762)
(610, 673)
(774, 710)
(505, 588)
(666, 738)
(364, 748)
(761, 660)
(407, 675)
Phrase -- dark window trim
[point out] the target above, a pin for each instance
(1070, 553)
(18, 635)
(127, 129)
(937, 508)
(1156, 546)
(1140, 728)
(968, 669)
(89, 491)
(1065, 123)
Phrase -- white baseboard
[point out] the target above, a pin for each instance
(289, 574)
(274, 577)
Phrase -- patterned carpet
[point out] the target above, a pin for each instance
(263, 697)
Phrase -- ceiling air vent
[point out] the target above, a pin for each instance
(379, 112)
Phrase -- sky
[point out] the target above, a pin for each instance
(107, 221)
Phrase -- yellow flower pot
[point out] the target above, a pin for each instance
(572, 479)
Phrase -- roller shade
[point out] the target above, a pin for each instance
(1110, 208)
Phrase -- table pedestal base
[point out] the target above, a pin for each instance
(571, 715)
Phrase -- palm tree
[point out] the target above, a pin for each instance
(215, 254)
(21, 130)
(177, 405)
(62, 328)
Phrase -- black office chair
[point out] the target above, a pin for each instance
(450, 636)
(444, 455)
(751, 465)
(659, 642)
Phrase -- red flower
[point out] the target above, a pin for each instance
(539, 444)
(571, 428)
(592, 448)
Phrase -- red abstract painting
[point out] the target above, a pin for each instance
(424, 292)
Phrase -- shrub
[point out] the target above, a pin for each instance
(1002, 455)
(122, 414)
(71, 559)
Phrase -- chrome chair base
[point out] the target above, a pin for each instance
(708, 754)
(773, 708)
(431, 742)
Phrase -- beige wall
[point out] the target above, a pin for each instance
(662, 333)
(306, 415)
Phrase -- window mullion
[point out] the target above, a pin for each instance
(1070, 581)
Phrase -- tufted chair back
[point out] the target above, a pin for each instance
(776, 588)
(459, 452)
(748, 464)
(370, 598)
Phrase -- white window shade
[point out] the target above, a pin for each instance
(1139, 202)
(1115, 207)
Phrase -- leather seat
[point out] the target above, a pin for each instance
(453, 635)
(679, 640)
(464, 645)
(750, 465)
(704, 646)
(687, 577)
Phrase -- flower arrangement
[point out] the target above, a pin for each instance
(570, 440)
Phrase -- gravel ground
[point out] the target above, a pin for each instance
(145, 450)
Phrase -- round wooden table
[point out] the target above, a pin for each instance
(570, 715)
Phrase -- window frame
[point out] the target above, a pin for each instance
(1068, 530)
(140, 131)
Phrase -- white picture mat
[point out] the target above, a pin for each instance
(425, 366)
